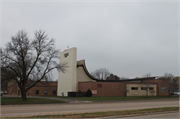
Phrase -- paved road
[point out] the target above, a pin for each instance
(28, 110)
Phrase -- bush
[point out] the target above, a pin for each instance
(88, 93)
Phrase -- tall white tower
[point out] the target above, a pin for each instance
(67, 82)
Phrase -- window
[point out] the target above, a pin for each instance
(45, 92)
(37, 92)
(66, 55)
(151, 88)
(134, 88)
(143, 88)
(54, 92)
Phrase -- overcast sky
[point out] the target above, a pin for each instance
(130, 38)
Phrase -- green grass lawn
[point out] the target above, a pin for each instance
(116, 98)
(107, 113)
(17, 100)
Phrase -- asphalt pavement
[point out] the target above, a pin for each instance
(46, 109)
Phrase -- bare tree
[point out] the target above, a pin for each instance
(152, 92)
(145, 86)
(147, 75)
(31, 60)
(170, 83)
(6, 76)
(112, 77)
(101, 74)
(124, 90)
(176, 83)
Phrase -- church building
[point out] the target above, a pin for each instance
(78, 79)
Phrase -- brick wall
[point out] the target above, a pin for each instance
(115, 88)
(50, 87)
(103, 88)
(160, 84)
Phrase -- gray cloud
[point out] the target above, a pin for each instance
(129, 38)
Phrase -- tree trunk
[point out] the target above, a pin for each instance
(23, 94)
(147, 93)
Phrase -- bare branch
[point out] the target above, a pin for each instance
(31, 60)
(101, 74)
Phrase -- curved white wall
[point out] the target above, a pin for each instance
(82, 76)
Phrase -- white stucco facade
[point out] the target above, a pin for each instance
(82, 76)
(76, 72)
(67, 82)
(139, 91)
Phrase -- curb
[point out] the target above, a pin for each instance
(125, 101)
(90, 102)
